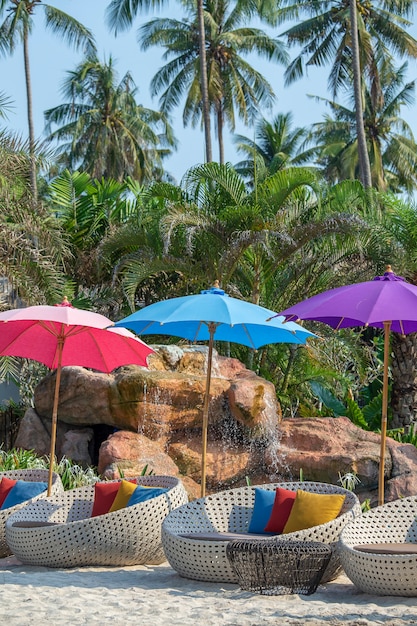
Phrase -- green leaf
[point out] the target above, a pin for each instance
(327, 398)
(355, 414)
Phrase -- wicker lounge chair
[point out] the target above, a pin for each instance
(388, 533)
(59, 532)
(28, 475)
(229, 512)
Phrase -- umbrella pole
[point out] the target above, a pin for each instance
(384, 418)
(212, 328)
(55, 416)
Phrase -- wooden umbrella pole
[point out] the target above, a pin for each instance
(55, 414)
(384, 417)
(212, 329)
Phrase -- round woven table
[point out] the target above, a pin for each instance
(274, 567)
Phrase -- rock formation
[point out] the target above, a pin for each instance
(140, 418)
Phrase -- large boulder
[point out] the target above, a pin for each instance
(164, 404)
(159, 401)
(131, 454)
(136, 418)
(324, 449)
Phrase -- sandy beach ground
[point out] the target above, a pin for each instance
(157, 595)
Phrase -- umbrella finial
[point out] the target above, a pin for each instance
(389, 275)
(65, 302)
(215, 289)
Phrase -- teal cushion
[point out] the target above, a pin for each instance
(262, 509)
(22, 491)
(141, 494)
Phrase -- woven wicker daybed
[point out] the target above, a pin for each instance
(28, 475)
(230, 512)
(388, 533)
(69, 537)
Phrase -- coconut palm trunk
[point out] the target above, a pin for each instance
(204, 81)
(33, 182)
(404, 381)
(364, 165)
(220, 134)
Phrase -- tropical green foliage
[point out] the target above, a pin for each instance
(32, 249)
(400, 435)
(16, 28)
(324, 37)
(111, 230)
(391, 145)
(235, 88)
(276, 146)
(72, 475)
(103, 131)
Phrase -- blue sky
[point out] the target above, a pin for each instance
(51, 58)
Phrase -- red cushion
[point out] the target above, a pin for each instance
(104, 496)
(284, 499)
(6, 485)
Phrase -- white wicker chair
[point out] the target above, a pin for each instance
(230, 511)
(29, 475)
(392, 574)
(69, 537)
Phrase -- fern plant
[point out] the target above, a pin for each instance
(367, 417)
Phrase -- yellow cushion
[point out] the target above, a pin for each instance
(313, 509)
(123, 495)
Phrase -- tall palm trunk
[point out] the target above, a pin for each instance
(404, 380)
(204, 80)
(33, 183)
(220, 134)
(364, 165)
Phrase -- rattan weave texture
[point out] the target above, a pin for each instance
(382, 574)
(230, 511)
(29, 475)
(130, 536)
(278, 567)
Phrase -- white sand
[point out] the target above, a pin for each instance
(156, 595)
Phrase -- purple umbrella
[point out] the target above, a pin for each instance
(387, 302)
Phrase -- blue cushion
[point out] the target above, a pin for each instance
(23, 490)
(262, 509)
(145, 493)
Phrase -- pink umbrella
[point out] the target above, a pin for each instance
(387, 302)
(63, 335)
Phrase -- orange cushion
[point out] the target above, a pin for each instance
(284, 500)
(6, 485)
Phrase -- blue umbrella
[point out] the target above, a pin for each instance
(213, 315)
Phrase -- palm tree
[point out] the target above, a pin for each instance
(16, 28)
(5, 105)
(235, 88)
(90, 211)
(352, 36)
(258, 243)
(106, 133)
(32, 249)
(120, 15)
(390, 142)
(276, 146)
(401, 227)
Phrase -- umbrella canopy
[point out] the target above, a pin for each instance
(64, 335)
(212, 316)
(387, 302)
